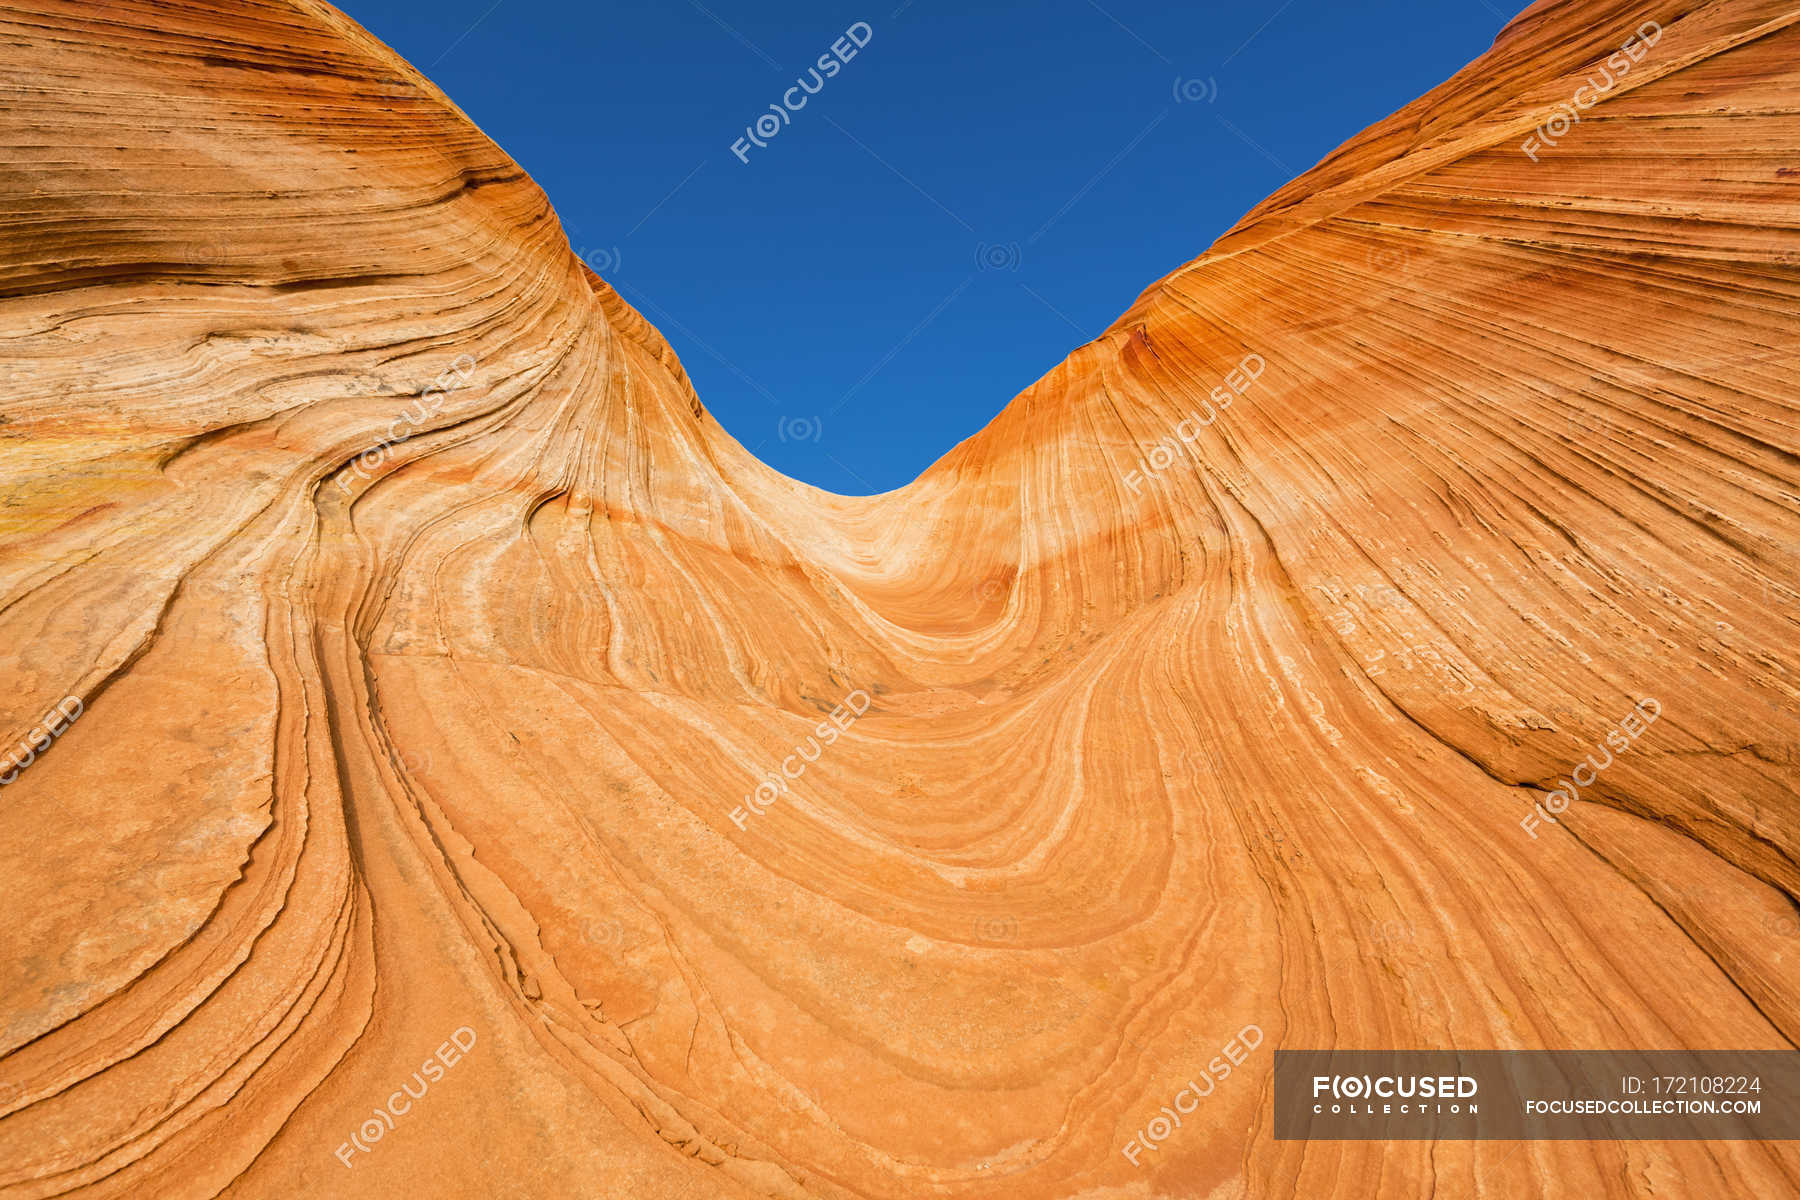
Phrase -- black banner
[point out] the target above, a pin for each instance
(1413, 1095)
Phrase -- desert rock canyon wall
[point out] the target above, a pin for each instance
(424, 643)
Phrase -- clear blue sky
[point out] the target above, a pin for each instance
(830, 296)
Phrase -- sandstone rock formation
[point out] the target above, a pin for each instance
(422, 644)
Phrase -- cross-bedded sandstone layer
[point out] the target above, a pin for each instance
(443, 761)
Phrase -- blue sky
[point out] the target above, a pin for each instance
(978, 190)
